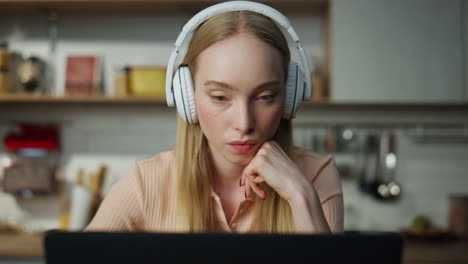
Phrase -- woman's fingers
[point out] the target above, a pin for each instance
(248, 190)
(258, 190)
(251, 185)
(254, 178)
(258, 179)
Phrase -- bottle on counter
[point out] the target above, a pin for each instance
(64, 215)
(80, 203)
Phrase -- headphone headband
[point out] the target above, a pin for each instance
(188, 30)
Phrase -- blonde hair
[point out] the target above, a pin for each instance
(194, 168)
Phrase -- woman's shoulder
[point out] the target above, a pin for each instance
(311, 161)
(163, 157)
(321, 171)
(160, 164)
(303, 153)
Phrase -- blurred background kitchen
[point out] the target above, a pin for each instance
(82, 97)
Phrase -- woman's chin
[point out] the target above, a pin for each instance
(241, 160)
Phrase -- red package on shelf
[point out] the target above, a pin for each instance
(33, 136)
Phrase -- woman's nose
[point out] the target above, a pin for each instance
(243, 118)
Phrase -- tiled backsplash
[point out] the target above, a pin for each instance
(104, 134)
(117, 135)
(427, 173)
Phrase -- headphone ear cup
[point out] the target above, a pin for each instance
(291, 90)
(300, 91)
(189, 98)
(178, 83)
(295, 88)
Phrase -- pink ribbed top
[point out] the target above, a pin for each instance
(144, 199)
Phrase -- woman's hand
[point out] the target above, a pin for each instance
(273, 166)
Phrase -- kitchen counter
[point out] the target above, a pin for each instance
(14, 245)
(455, 251)
(30, 246)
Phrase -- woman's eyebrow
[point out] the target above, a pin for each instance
(219, 84)
(274, 83)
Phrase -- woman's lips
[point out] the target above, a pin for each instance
(243, 146)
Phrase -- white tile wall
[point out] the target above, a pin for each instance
(428, 174)
(116, 134)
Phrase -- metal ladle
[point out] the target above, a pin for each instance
(389, 189)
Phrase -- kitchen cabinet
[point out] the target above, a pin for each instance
(465, 46)
(397, 51)
(141, 7)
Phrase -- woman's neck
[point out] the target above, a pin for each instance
(226, 174)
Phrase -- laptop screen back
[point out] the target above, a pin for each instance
(116, 248)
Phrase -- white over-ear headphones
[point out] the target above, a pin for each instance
(179, 87)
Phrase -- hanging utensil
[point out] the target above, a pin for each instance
(387, 188)
(391, 161)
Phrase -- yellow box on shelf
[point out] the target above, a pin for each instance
(147, 81)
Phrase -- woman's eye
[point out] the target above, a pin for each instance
(266, 97)
(219, 98)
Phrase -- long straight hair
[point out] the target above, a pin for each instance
(194, 168)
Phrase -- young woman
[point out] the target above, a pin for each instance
(235, 170)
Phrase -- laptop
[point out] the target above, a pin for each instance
(141, 248)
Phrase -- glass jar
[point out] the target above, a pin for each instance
(30, 172)
(31, 75)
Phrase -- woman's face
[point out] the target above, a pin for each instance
(239, 95)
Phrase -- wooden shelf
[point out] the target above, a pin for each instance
(9, 99)
(95, 99)
(141, 7)
(22, 98)
(433, 106)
